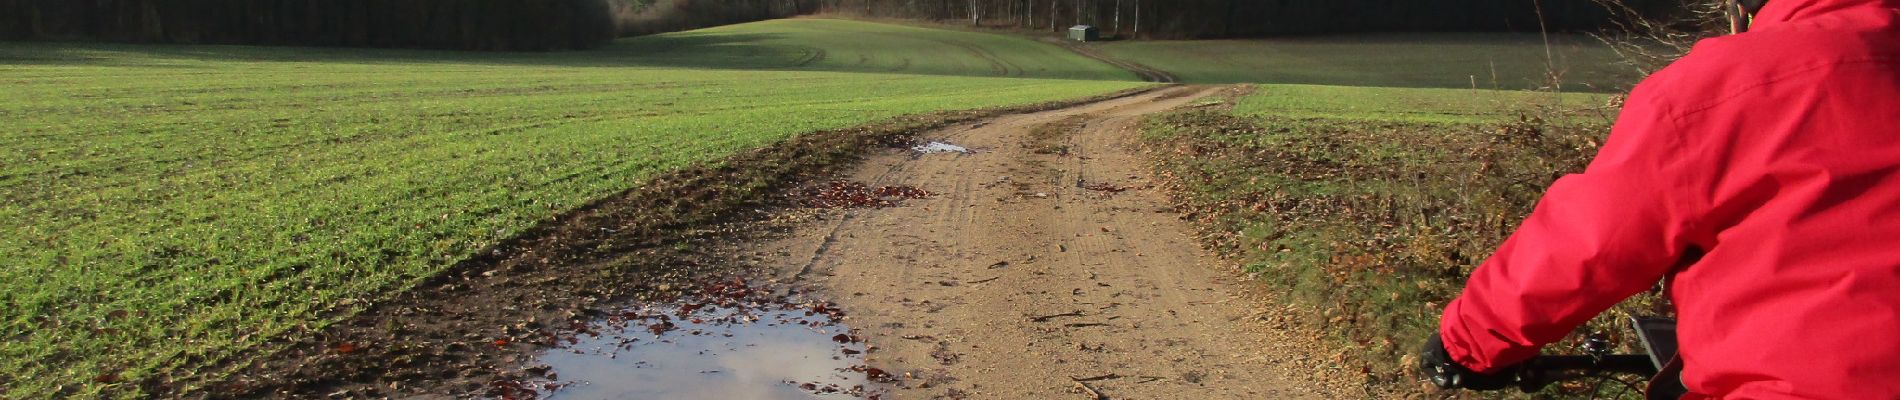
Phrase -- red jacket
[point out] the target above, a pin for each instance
(1776, 152)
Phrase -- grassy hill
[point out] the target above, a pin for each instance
(841, 45)
(1418, 60)
(168, 207)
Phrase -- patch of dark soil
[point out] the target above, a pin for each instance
(1053, 138)
(848, 194)
(1105, 187)
(457, 333)
(1176, 95)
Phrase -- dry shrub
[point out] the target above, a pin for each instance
(1649, 41)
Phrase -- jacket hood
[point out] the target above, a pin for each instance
(1783, 11)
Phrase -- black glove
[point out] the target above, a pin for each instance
(1437, 365)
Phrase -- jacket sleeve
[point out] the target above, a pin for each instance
(1595, 239)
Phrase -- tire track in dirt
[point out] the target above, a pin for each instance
(998, 66)
(1036, 275)
(813, 55)
(1146, 73)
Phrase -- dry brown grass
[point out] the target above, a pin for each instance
(1372, 226)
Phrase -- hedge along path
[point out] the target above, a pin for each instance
(174, 207)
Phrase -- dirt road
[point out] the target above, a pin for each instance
(1045, 262)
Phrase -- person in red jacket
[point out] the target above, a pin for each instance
(1772, 154)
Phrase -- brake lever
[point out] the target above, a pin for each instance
(1597, 347)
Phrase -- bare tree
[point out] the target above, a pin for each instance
(1079, 11)
(1137, 18)
(1029, 14)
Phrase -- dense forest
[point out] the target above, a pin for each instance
(575, 24)
(1242, 18)
(448, 24)
(641, 17)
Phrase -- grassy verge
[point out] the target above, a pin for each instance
(172, 207)
(1368, 220)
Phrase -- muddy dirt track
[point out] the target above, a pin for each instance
(1044, 263)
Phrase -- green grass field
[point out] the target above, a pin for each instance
(167, 207)
(1445, 60)
(1419, 105)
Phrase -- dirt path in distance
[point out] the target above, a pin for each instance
(1044, 266)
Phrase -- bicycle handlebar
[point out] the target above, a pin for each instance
(1657, 334)
(1545, 370)
(1619, 363)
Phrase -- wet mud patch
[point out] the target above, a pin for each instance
(724, 340)
(848, 194)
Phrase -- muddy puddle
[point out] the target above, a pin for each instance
(939, 147)
(725, 340)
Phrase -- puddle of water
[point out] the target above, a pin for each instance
(726, 342)
(940, 147)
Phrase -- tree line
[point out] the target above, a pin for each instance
(1243, 18)
(577, 24)
(643, 17)
(443, 24)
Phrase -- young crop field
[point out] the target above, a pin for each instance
(168, 208)
(1463, 60)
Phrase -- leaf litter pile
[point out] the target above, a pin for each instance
(848, 194)
(723, 339)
